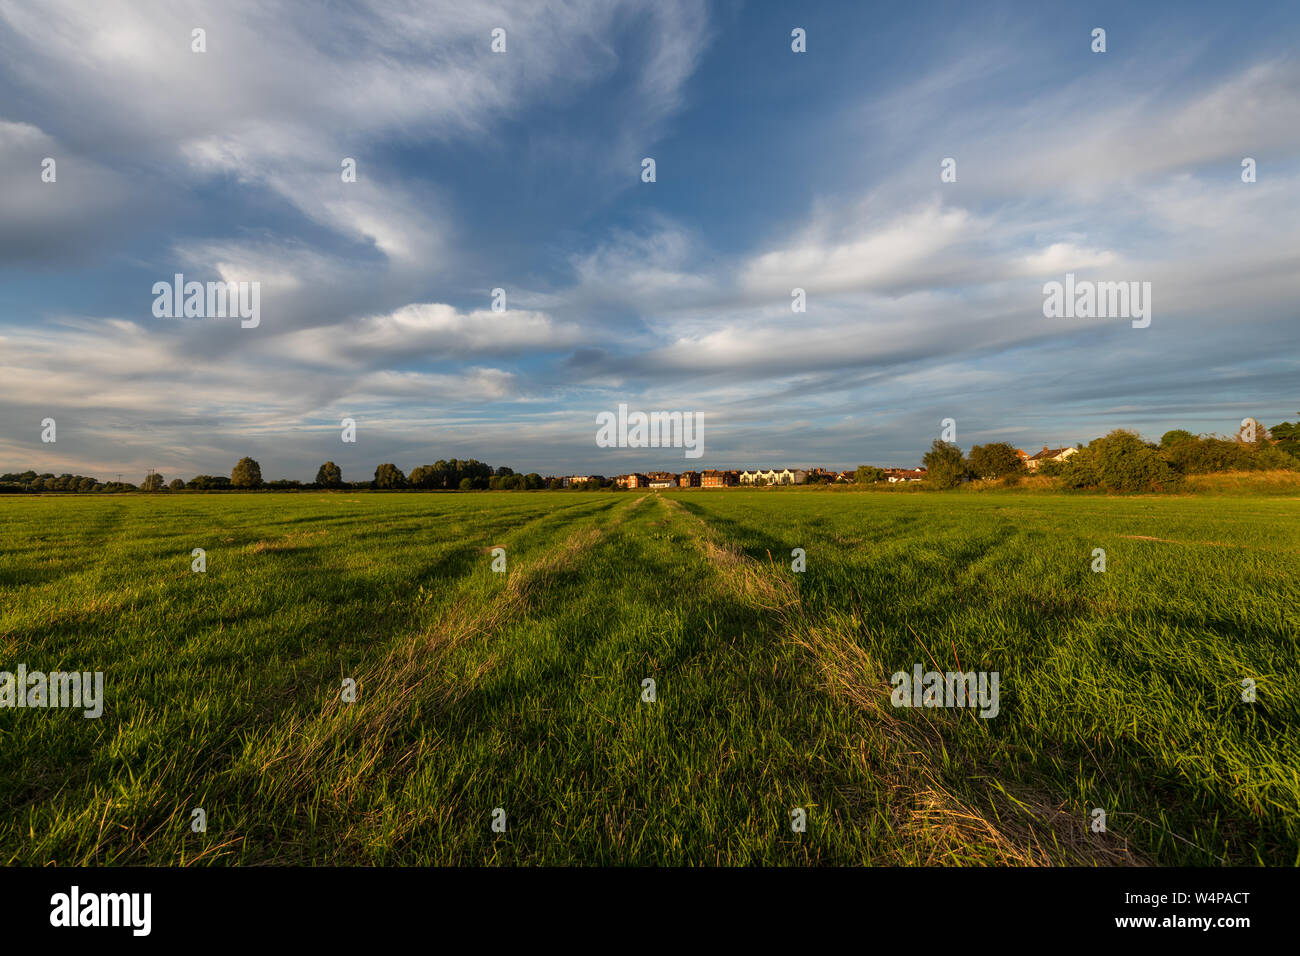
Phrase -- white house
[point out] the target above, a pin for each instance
(895, 475)
(1049, 454)
(774, 476)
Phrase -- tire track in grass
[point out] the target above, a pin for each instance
(333, 754)
(1017, 826)
(94, 812)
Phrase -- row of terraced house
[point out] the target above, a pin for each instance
(713, 478)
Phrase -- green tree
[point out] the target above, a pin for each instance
(1120, 461)
(1285, 431)
(1203, 455)
(389, 475)
(996, 460)
(467, 484)
(329, 475)
(178, 484)
(246, 474)
(868, 475)
(944, 465)
(152, 482)
(1176, 437)
(1286, 436)
(1273, 458)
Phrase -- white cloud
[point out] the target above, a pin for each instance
(279, 99)
(1061, 257)
(831, 255)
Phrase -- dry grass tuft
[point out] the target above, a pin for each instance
(294, 539)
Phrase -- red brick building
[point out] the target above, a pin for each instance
(688, 479)
(719, 479)
(895, 475)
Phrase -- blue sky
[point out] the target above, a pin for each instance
(775, 170)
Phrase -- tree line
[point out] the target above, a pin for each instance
(1119, 461)
(450, 475)
(1123, 461)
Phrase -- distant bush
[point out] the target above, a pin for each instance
(28, 481)
(389, 475)
(1198, 456)
(1286, 437)
(1120, 461)
(247, 473)
(450, 474)
(1211, 454)
(508, 482)
(995, 460)
(945, 467)
(329, 475)
(1272, 458)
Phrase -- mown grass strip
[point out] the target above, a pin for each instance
(947, 815)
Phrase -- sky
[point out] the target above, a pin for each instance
(522, 171)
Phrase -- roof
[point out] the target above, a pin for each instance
(1049, 453)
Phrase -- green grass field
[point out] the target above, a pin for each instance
(522, 690)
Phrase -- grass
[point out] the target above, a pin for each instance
(523, 691)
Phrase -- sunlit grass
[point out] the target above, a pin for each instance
(523, 690)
